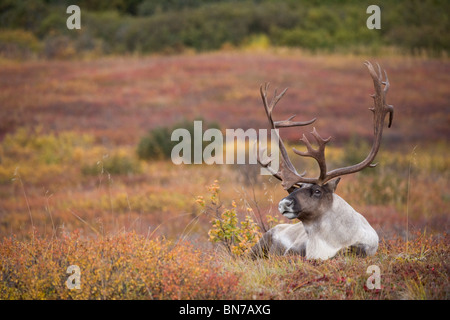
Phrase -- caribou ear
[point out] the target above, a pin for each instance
(333, 184)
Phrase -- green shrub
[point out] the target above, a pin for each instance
(157, 144)
(36, 146)
(118, 163)
(18, 44)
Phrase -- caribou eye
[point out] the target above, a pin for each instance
(317, 192)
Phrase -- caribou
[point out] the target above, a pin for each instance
(328, 224)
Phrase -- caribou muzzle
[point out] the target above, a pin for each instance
(289, 208)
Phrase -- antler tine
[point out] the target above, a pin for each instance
(380, 76)
(267, 162)
(386, 89)
(317, 154)
(269, 107)
(288, 123)
(380, 94)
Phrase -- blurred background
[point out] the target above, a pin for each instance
(37, 27)
(86, 115)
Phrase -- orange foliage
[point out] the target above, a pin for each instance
(125, 266)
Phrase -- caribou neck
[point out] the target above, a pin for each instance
(334, 229)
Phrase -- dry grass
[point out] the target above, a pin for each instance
(419, 272)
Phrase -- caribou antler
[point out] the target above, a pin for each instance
(287, 173)
(380, 110)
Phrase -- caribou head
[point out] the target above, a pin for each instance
(328, 224)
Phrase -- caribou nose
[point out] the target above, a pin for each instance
(285, 205)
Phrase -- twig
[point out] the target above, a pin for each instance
(17, 174)
(411, 160)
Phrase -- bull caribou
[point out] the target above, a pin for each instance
(328, 224)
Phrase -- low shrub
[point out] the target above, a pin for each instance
(117, 163)
(236, 237)
(125, 266)
(18, 44)
(157, 144)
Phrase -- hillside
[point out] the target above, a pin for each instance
(120, 99)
